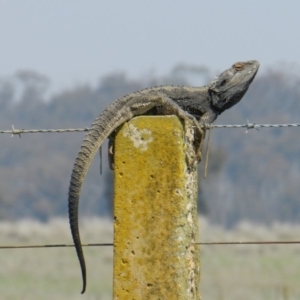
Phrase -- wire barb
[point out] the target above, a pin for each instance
(251, 126)
(15, 131)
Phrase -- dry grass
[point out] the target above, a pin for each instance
(250, 271)
(228, 272)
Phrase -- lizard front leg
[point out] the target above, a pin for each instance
(165, 106)
(168, 106)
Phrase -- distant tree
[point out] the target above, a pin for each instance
(33, 85)
(7, 93)
(251, 176)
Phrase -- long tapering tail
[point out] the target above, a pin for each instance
(102, 127)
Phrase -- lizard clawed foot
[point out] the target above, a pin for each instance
(199, 136)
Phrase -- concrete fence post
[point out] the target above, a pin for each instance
(155, 211)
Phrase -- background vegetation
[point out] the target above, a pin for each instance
(261, 272)
(253, 176)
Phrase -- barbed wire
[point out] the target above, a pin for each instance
(21, 131)
(111, 244)
(248, 126)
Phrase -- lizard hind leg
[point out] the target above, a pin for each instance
(196, 136)
(198, 145)
(111, 151)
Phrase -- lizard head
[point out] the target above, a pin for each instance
(231, 85)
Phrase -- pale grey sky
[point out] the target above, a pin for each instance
(74, 41)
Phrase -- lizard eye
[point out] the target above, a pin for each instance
(238, 66)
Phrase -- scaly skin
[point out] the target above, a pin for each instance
(201, 105)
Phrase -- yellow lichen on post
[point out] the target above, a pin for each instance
(155, 211)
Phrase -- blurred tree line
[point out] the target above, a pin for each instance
(251, 176)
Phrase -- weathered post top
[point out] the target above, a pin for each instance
(155, 211)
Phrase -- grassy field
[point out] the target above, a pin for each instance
(227, 272)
